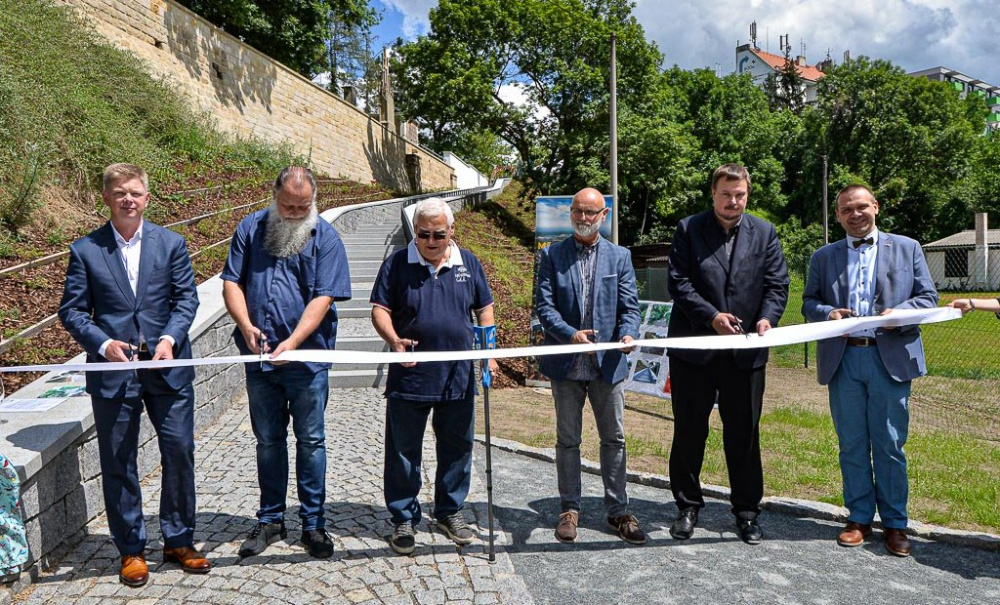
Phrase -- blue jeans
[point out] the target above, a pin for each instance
(871, 414)
(405, 422)
(608, 403)
(290, 391)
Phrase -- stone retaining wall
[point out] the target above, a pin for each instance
(249, 94)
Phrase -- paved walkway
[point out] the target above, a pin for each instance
(798, 562)
(362, 570)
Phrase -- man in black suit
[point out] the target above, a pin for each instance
(130, 294)
(727, 274)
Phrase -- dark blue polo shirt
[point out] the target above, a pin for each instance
(278, 289)
(436, 310)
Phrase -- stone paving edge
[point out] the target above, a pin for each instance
(789, 506)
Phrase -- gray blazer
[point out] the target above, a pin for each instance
(902, 281)
(560, 309)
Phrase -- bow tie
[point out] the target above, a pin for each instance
(860, 242)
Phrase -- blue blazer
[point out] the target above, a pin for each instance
(98, 303)
(902, 281)
(559, 306)
(702, 282)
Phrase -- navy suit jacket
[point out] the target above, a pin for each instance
(98, 303)
(702, 282)
(902, 281)
(559, 305)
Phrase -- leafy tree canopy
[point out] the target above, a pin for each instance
(291, 31)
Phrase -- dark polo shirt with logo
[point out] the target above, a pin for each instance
(436, 309)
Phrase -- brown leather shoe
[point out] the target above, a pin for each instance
(190, 559)
(896, 542)
(854, 534)
(134, 570)
(566, 529)
(627, 527)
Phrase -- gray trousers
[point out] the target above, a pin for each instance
(608, 403)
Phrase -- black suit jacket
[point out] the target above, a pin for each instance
(703, 282)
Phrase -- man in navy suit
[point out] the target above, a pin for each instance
(727, 275)
(587, 293)
(869, 372)
(130, 294)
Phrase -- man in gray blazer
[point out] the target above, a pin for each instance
(869, 372)
(587, 293)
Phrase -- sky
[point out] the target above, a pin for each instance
(914, 34)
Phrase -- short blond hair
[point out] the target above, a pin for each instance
(117, 173)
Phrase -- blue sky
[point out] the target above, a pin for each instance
(914, 34)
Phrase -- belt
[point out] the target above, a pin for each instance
(143, 347)
(860, 342)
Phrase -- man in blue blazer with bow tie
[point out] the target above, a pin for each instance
(130, 295)
(869, 372)
(727, 275)
(586, 292)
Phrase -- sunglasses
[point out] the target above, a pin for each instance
(438, 235)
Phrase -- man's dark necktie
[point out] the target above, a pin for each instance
(860, 242)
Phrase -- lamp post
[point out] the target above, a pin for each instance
(614, 141)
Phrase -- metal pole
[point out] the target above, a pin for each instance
(486, 338)
(614, 141)
(826, 206)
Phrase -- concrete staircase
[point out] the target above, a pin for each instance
(367, 247)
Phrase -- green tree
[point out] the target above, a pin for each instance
(912, 140)
(786, 87)
(291, 31)
(732, 122)
(555, 52)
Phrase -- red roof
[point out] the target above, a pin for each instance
(777, 62)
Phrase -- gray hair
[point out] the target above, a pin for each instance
(430, 208)
(299, 174)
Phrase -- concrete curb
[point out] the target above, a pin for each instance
(788, 506)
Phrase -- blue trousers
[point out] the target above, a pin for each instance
(454, 429)
(171, 413)
(871, 414)
(290, 391)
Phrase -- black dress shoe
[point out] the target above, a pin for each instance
(318, 542)
(683, 525)
(750, 532)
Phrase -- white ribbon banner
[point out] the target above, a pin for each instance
(776, 337)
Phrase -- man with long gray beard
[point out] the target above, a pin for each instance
(284, 272)
(587, 293)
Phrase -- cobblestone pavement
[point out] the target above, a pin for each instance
(362, 570)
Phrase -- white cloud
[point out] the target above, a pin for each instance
(415, 15)
(914, 34)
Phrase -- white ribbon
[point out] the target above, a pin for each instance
(776, 337)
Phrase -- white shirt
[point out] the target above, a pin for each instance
(130, 252)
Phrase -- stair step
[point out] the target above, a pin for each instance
(351, 379)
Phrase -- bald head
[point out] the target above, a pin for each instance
(588, 194)
(587, 213)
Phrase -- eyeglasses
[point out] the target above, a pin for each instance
(586, 213)
(438, 235)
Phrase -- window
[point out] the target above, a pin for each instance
(956, 262)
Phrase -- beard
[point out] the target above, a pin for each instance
(287, 237)
(586, 230)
